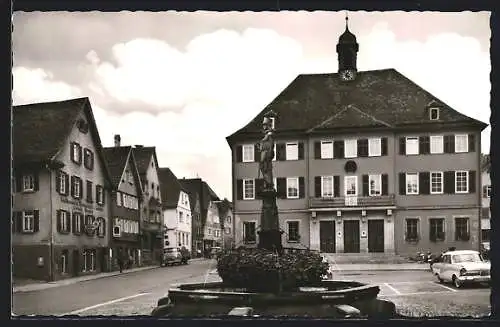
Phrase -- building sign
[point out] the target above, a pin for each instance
(351, 200)
(88, 208)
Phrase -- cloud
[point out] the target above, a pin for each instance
(38, 85)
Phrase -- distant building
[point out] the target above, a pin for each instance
(227, 223)
(151, 210)
(212, 232)
(176, 211)
(196, 229)
(125, 204)
(486, 194)
(61, 191)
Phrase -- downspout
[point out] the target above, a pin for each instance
(51, 231)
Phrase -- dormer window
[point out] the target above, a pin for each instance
(434, 114)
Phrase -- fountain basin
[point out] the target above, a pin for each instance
(327, 299)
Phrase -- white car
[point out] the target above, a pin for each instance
(461, 267)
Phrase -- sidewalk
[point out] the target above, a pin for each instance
(380, 267)
(31, 285)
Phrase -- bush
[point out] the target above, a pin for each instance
(261, 270)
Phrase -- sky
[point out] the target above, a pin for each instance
(184, 81)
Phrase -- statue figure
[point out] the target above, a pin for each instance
(266, 149)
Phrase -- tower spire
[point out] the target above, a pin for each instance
(346, 21)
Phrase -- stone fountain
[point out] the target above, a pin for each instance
(268, 281)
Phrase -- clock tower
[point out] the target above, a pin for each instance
(347, 50)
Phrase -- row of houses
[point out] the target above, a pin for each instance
(78, 206)
(365, 162)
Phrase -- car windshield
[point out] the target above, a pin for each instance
(469, 257)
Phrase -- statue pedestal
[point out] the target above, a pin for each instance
(270, 233)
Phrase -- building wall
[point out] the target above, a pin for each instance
(213, 225)
(175, 227)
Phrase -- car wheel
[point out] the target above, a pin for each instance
(440, 280)
(456, 282)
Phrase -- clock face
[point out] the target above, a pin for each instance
(347, 75)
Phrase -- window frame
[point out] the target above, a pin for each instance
(488, 191)
(417, 236)
(30, 180)
(417, 182)
(64, 263)
(245, 240)
(355, 178)
(288, 223)
(457, 172)
(408, 145)
(468, 228)
(431, 182)
(377, 178)
(323, 187)
(295, 147)
(325, 146)
(30, 215)
(371, 146)
(250, 154)
(466, 143)
(245, 197)
(63, 215)
(431, 110)
(288, 181)
(443, 219)
(432, 140)
(353, 145)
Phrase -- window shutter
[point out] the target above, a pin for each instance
(472, 142)
(91, 160)
(424, 183)
(449, 143)
(383, 144)
(424, 145)
(72, 151)
(301, 150)
(366, 185)
(256, 154)
(259, 184)
(281, 187)
(402, 145)
(68, 221)
(19, 181)
(317, 150)
(363, 148)
(13, 222)
(239, 189)
(36, 221)
(239, 153)
(472, 181)
(80, 150)
(385, 184)
(58, 219)
(73, 223)
(66, 182)
(338, 149)
(89, 191)
(336, 186)
(19, 221)
(402, 183)
(82, 223)
(280, 151)
(103, 226)
(449, 182)
(81, 187)
(73, 186)
(58, 182)
(317, 186)
(103, 194)
(36, 181)
(302, 188)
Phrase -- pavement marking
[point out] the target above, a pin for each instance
(104, 303)
(443, 286)
(392, 289)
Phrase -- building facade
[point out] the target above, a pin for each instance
(365, 162)
(151, 227)
(124, 238)
(227, 223)
(485, 204)
(61, 195)
(177, 218)
(212, 232)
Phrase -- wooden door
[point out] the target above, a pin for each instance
(327, 236)
(76, 262)
(351, 236)
(376, 235)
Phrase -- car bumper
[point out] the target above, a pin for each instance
(475, 279)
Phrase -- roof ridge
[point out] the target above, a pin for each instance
(375, 119)
(37, 104)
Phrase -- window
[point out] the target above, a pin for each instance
(411, 145)
(249, 235)
(64, 221)
(248, 189)
(461, 181)
(436, 182)
(375, 147)
(118, 199)
(292, 151)
(437, 145)
(28, 221)
(64, 261)
(99, 194)
(461, 143)
(90, 192)
(181, 217)
(61, 182)
(88, 159)
(375, 185)
(411, 183)
(92, 260)
(326, 186)
(100, 229)
(76, 153)
(485, 235)
(248, 153)
(487, 191)
(273, 119)
(411, 232)
(293, 231)
(77, 186)
(292, 187)
(350, 148)
(434, 114)
(28, 183)
(77, 221)
(436, 229)
(228, 219)
(462, 229)
(326, 149)
(350, 185)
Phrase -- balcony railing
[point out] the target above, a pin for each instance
(352, 201)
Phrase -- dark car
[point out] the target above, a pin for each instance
(172, 256)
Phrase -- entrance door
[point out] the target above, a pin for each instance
(327, 236)
(351, 236)
(376, 235)
(76, 262)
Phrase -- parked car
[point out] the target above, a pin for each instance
(462, 267)
(172, 256)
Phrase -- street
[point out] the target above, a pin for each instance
(415, 293)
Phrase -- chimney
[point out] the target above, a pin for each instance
(117, 140)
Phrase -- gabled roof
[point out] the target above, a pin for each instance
(191, 191)
(116, 158)
(375, 98)
(204, 191)
(170, 188)
(143, 157)
(41, 130)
